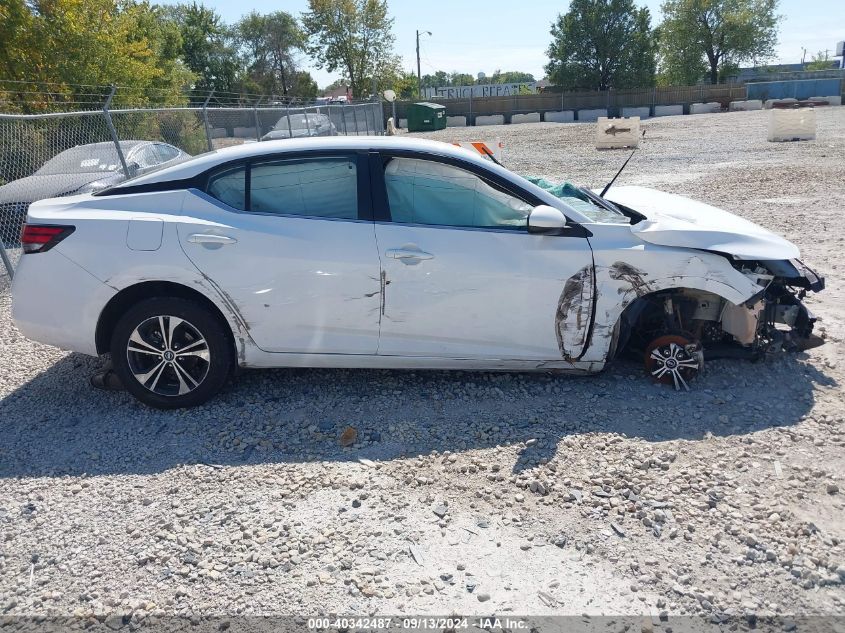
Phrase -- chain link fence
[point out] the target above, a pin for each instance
(59, 154)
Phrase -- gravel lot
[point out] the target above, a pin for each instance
(465, 492)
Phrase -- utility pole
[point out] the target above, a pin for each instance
(419, 74)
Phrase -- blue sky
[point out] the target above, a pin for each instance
(477, 35)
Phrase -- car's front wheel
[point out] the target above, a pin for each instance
(171, 352)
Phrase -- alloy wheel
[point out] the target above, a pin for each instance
(168, 355)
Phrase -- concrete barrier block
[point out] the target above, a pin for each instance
(704, 108)
(244, 132)
(792, 125)
(218, 132)
(403, 123)
(834, 101)
(531, 117)
(616, 133)
(563, 116)
(491, 119)
(456, 121)
(591, 115)
(642, 112)
(770, 102)
(668, 110)
(745, 106)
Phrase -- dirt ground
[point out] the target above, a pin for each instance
(469, 493)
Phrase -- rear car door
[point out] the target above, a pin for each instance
(290, 242)
(463, 277)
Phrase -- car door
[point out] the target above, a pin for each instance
(463, 277)
(290, 243)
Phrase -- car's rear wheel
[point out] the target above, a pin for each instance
(171, 352)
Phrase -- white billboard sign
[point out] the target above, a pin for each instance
(479, 90)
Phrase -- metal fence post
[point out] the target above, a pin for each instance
(343, 116)
(6, 261)
(255, 117)
(205, 119)
(355, 117)
(113, 131)
(307, 124)
(290, 127)
(469, 121)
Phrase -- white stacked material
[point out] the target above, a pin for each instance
(746, 106)
(616, 133)
(490, 119)
(530, 117)
(218, 132)
(591, 115)
(834, 101)
(456, 121)
(563, 116)
(705, 108)
(642, 112)
(244, 132)
(792, 125)
(668, 110)
(403, 123)
(770, 102)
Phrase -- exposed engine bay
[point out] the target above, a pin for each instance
(675, 330)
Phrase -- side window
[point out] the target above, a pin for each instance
(321, 187)
(429, 192)
(229, 187)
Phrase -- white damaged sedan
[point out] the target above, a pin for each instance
(394, 253)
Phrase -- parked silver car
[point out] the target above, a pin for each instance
(81, 169)
(301, 125)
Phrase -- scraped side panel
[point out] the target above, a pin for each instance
(574, 313)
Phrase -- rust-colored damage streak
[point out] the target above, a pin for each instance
(574, 309)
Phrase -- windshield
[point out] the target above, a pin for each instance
(580, 201)
(298, 122)
(84, 159)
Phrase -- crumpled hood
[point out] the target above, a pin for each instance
(673, 220)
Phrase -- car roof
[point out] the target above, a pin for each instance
(202, 162)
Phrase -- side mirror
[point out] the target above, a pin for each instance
(547, 220)
(133, 168)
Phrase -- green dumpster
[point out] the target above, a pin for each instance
(425, 117)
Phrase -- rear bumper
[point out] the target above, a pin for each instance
(55, 301)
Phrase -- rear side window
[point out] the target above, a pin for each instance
(317, 187)
(229, 187)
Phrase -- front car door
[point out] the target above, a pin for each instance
(290, 243)
(463, 277)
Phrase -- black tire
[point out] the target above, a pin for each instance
(204, 378)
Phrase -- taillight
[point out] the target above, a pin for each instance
(37, 238)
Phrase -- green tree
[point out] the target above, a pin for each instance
(75, 44)
(207, 48)
(821, 61)
(405, 85)
(511, 77)
(303, 85)
(353, 36)
(269, 45)
(719, 33)
(599, 44)
(461, 79)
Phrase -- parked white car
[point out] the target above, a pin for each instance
(393, 253)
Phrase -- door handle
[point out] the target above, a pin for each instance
(404, 253)
(202, 238)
